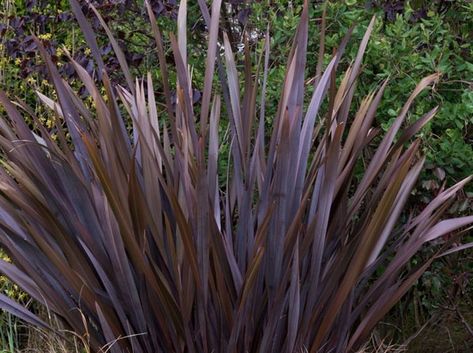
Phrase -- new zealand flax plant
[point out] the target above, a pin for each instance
(122, 221)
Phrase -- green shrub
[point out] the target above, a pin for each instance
(136, 239)
(405, 49)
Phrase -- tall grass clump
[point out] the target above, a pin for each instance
(139, 240)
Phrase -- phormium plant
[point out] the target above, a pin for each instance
(134, 239)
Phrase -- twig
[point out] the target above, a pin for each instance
(464, 322)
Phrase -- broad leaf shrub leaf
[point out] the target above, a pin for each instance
(138, 233)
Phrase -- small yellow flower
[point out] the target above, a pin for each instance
(45, 36)
(50, 123)
(18, 61)
(87, 51)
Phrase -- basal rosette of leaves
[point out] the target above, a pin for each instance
(139, 241)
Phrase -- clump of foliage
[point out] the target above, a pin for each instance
(138, 241)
